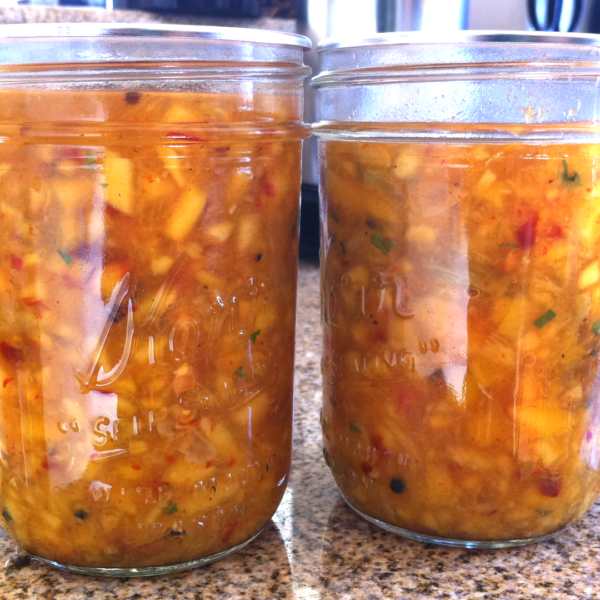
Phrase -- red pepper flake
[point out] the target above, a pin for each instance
(208, 465)
(405, 397)
(34, 303)
(366, 467)
(269, 188)
(11, 353)
(186, 138)
(231, 462)
(550, 487)
(376, 441)
(526, 233)
(16, 262)
(170, 459)
(7, 381)
(229, 531)
(45, 465)
(556, 232)
(136, 467)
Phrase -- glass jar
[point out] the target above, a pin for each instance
(461, 282)
(149, 189)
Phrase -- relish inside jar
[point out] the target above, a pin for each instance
(148, 252)
(461, 310)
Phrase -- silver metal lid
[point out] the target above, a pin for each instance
(461, 37)
(53, 43)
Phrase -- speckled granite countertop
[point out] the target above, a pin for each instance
(317, 549)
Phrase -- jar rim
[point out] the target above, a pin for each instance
(459, 37)
(126, 30)
(86, 43)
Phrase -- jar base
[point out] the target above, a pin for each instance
(456, 543)
(148, 571)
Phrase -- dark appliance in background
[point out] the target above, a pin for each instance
(229, 9)
(213, 8)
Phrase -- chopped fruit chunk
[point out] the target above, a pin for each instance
(185, 214)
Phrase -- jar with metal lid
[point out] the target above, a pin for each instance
(461, 282)
(149, 188)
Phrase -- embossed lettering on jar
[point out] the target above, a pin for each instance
(148, 253)
(460, 284)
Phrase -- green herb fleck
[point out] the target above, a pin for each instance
(104, 185)
(254, 336)
(170, 508)
(573, 180)
(81, 514)
(268, 467)
(509, 245)
(385, 245)
(65, 257)
(354, 428)
(343, 247)
(334, 216)
(596, 327)
(241, 373)
(544, 319)
(544, 513)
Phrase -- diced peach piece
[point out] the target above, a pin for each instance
(186, 213)
(118, 177)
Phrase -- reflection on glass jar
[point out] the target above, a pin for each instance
(461, 311)
(147, 337)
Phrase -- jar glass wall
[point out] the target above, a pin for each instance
(149, 230)
(461, 288)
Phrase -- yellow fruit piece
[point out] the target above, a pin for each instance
(546, 421)
(138, 447)
(174, 164)
(485, 181)
(221, 231)
(161, 265)
(248, 229)
(590, 275)
(238, 185)
(186, 213)
(420, 234)
(179, 114)
(118, 177)
(185, 379)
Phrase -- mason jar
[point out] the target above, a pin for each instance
(149, 189)
(461, 282)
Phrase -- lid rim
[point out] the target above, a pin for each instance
(70, 31)
(445, 38)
